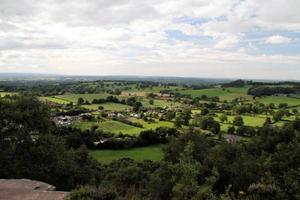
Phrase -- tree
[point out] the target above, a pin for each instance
(186, 116)
(151, 101)
(64, 168)
(223, 118)
(204, 111)
(245, 131)
(272, 106)
(207, 123)
(295, 111)
(130, 101)
(178, 122)
(267, 121)
(80, 101)
(22, 115)
(277, 116)
(283, 105)
(238, 121)
(231, 130)
(186, 170)
(137, 106)
(161, 183)
(170, 115)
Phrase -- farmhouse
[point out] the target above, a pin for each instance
(63, 120)
(232, 138)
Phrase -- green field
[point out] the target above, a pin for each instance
(231, 96)
(89, 97)
(54, 100)
(155, 89)
(250, 120)
(253, 121)
(210, 92)
(153, 125)
(2, 94)
(110, 126)
(158, 103)
(277, 100)
(108, 106)
(227, 94)
(153, 153)
(119, 127)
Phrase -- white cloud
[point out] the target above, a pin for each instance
(129, 37)
(278, 39)
(226, 41)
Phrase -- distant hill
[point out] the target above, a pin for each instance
(162, 79)
(69, 78)
(25, 75)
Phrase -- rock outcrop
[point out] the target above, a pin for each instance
(24, 189)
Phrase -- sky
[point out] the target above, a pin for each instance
(253, 39)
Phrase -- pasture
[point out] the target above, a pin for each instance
(153, 125)
(120, 127)
(278, 99)
(254, 121)
(3, 94)
(89, 97)
(153, 153)
(158, 103)
(210, 92)
(231, 96)
(227, 94)
(54, 100)
(109, 126)
(251, 120)
(154, 89)
(108, 106)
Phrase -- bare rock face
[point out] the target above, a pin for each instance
(24, 189)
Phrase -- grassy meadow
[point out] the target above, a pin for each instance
(89, 97)
(109, 126)
(108, 106)
(153, 153)
(278, 99)
(120, 127)
(55, 100)
(3, 94)
(227, 94)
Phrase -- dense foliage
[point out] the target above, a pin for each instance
(259, 91)
(28, 149)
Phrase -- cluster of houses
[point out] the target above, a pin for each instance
(67, 120)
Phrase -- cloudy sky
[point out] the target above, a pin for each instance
(197, 38)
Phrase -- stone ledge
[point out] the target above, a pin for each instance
(25, 189)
